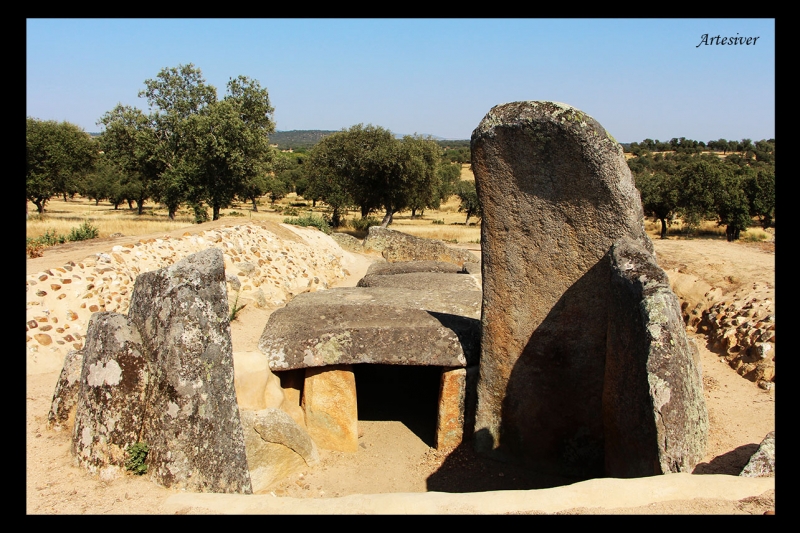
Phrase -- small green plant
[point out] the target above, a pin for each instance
(438, 222)
(137, 454)
(51, 238)
(299, 204)
(310, 220)
(290, 212)
(363, 224)
(235, 214)
(85, 232)
(235, 309)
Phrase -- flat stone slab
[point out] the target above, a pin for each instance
(396, 246)
(380, 325)
(451, 282)
(404, 267)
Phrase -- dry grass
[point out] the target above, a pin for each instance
(707, 230)
(61, 217)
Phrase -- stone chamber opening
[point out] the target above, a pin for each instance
(408, 394)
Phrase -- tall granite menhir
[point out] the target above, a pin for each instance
(557, 194)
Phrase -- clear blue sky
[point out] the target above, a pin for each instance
(640, 78)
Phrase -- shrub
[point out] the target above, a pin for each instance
(363, 224)
(200, 213)
(51, 238)
(290, 212)
(438, 222)
(85, 232)
(235, 214)
(310, 220)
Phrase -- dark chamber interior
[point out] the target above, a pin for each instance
(408, 394)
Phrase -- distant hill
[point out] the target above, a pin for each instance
(295, 139)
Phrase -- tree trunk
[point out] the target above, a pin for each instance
(255, 206)
(215, 211)
(139, 206)
(364, 212)
(387, 219)
(65, 197)
(663, 228)
(466, 222)
(39, 206)
(130, 204)
(413, 212)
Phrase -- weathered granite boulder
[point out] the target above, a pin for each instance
(65, 397)
(110, 407)
(762, 463)
(654, 414)
(374, 325)
(257, 388)
(348, 242)
(276, 447)
(192, 424)
(396, 246)
(556, 193)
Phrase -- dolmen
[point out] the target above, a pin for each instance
(585, 367)
(401, 313)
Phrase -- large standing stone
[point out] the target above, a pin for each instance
(192, 426)
(111, 399)
(654, 413)
(556, 193)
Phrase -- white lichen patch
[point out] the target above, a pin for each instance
(660, 391)
(104, 374)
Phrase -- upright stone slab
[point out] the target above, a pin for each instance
(110, 405)
(329, 401)
(556, 193)
(654, 412)
(192, 425)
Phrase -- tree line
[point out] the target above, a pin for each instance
(192, 148)
(736, 190)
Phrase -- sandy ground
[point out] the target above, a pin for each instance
(395, 456)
